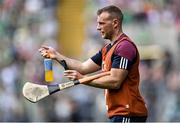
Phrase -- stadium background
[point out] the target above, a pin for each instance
(70, 27)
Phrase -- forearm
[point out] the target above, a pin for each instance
(85, 67)
(71, 63)
(106, 82)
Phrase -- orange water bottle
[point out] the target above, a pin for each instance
(48, 66)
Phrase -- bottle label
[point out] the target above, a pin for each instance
(48, 66)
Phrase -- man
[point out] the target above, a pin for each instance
(123, 100)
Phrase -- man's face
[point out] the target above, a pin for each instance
(105, 25)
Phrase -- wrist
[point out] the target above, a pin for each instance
(57, 57)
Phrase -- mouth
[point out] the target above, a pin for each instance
(102, 33)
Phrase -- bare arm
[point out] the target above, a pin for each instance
(112, 81)
(83, 67)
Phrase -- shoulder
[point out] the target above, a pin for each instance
(126, 49)
(125, 44)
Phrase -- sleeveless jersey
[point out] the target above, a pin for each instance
(125, 101)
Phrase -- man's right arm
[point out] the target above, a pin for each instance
(83, 67)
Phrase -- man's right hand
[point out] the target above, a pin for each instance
(73, 74)
(48, 52)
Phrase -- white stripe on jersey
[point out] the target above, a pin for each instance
(120, 65)
(128, 120)
(123, 63)
(123, 120)
(126, 63)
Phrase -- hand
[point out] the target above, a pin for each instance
(48, 52)
(73, 74)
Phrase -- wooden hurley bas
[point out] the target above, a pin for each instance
(35, 92)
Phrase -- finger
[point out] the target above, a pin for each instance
(45, 55)
(69, 71)
(74, 78)
(71, 77)
(45, 47)
(71, 74)
(68, 74)
(42, 50)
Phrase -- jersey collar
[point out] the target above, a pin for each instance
(119, 37)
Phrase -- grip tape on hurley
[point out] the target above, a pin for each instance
(54, 88)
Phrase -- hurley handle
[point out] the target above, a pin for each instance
(35, 92)
(55, 88)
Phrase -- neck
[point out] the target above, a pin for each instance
(116, 36)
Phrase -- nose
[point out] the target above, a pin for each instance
(98, 27)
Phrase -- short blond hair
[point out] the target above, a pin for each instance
(114, 12)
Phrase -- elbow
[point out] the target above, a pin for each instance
(116, 84)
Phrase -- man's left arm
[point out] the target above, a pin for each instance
(122, 60)
(112, 81)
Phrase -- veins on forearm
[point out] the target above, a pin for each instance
(107, 82)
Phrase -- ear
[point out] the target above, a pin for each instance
(115, 23)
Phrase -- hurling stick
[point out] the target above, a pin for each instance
(35, 92)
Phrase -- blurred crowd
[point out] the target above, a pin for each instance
(25, 25)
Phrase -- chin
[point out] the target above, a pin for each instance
(105, 37)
